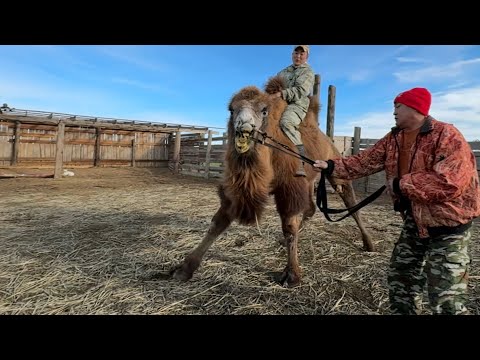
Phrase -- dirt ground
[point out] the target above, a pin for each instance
(88, 244)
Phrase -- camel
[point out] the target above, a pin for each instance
(254, 172)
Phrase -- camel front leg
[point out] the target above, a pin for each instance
(220, 222)
(291, 275)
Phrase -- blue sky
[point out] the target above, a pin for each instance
(192, 85)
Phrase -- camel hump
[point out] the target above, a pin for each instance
(275, 84)
(314, 105)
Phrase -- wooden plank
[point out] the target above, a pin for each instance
(133, 152)
(39, 127)
(36, 141)
(117, 143)
(356, 140)
(59, 151)
(316, 91)
(148, 144)
(176, 152)
(37, 135)
(16, 143)
(207, 157)
(81, 142)
(76, 130)
(331, 111)
(160, 128)
(96, 151)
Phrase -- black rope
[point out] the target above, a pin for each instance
(321, 190)
(323, 206)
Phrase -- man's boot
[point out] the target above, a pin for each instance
(300, 169)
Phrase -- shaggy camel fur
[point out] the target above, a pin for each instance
(254, 172)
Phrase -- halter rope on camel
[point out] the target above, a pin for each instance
(321, 190)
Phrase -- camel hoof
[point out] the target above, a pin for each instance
(288, 278)
(369, 248)
(181, 272)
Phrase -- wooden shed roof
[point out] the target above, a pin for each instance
(52, 118)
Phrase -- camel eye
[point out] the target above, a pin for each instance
(264, 111)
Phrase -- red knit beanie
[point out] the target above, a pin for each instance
(419, 99)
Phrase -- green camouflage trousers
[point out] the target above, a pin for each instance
(290, 121)
(442, 263)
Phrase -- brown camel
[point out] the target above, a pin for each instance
(254, 172)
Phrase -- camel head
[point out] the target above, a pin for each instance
(248, 113)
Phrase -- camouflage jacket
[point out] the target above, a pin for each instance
(299, 81)
(442, 186)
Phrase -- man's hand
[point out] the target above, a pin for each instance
(320, 165)
(394, 186)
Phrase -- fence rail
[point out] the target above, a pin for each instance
(197, 160)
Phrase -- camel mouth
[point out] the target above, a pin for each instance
(243, 141)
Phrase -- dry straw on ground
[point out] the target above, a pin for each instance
(89, 244)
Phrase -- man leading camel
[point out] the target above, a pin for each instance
(299, 79)
(432, 177)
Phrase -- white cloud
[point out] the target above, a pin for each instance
(459, 84)
(411, 60)
(126, 54)
(143, 85)
(357, 63)
(62, 55)
(451, 70)
(456, 106)
(360, 75)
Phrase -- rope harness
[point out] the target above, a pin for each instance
(321, 190)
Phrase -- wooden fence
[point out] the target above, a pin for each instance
(35, 145)
(30, 138)
(371, 183)
(199, 156)
(204, 157)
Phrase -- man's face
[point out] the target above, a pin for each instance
(299, 57)
(406, 117)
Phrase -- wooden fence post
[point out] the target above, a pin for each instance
(207, 157)
(331, 111)
(356, 140)
(176, 152)
(59, 150)
(96, 153)
(16, 144)
(316, 93)
(133, 151)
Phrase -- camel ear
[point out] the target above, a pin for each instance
(274, 85)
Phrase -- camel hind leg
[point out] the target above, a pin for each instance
(307, 214)
(348, 196)
(220, 222)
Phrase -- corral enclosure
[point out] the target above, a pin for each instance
(89, 244)
(95, 242)
(30, 139)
